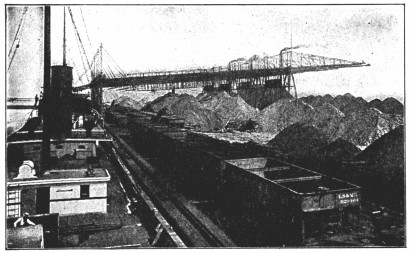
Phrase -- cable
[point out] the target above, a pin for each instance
(78, 36)
(17, 38)
(18, 28)
(91, 67)
(115, 64)
(120, 70)
(82, 60)
(84, 22)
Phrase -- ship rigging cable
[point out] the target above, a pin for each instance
(81, 43)
(85, 27)
(116, 65)
(92, 65)
(17, 38)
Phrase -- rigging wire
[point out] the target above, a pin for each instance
(106, 73)
(17, 38)
(85, 27)
(85, 72)
(119, 69)
(23, 17)
(92, 65)
(82, 60)
(77, 71)
(79, 39)
(111, 71)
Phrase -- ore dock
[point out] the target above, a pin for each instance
(91, 175)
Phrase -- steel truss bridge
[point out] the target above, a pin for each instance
(270, 72)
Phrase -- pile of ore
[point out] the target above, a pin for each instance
(127, 102)
(161, 102)
(194, 113)
(261, 97)
(339, 150)
(389, 105)
(361, 127)
(333, 132)
(283, 113)
(187, 107)
(345, 117)
(206, 112)
(347, 103)
(329, 159)
(227, 107)
(317, 100)
(380, 169)
(143, 97)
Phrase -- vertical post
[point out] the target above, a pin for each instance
(45, 151)
(358, 217)
(302, 229)
(64, 38)
(101, 58)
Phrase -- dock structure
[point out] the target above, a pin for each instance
(266, 71)
(270, 72)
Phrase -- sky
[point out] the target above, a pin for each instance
(148, 38)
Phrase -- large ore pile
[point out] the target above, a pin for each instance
(330, 158)
(380, 169)
(317, 100)
(260, 97)
(161, 102)
(188, 108)
(299, 139)
(125, 101)
(389, 105)
(283, 113)
(339, 149)
(194, 113)
(143, 97)
(334, 132)
(361, 127)
(206, 112)
(345, 117)
(347, 103)
(227, 107)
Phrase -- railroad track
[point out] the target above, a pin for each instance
(189, 224)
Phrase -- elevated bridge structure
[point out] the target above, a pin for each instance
(269, 71)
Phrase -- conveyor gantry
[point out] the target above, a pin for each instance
(240, 73)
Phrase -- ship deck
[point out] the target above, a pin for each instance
(117, 228)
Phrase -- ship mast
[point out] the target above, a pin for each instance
(64, 38)
(45, 150)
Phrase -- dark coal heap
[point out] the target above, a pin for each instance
(127, 102)
(229, 108)
(161, 102)
(389, 105)
(380, 168)
(358, 122)
(339, 149)
(299, 139)
(262, 97)
(327, 137)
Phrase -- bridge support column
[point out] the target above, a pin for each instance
(97, 99)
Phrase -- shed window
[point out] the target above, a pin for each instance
(81, 146)
(59, 146)
(13, 203)
(84, 191)
(37, 148)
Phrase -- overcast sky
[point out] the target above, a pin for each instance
(143, 38)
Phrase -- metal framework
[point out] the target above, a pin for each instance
(241, 73)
